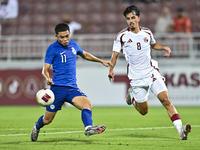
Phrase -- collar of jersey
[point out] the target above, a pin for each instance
(57, 44)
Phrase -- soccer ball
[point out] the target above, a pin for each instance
(45, 97)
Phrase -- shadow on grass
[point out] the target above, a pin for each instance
(64, 140)
(52, 140)
(153, 136)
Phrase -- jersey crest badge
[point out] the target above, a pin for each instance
(129, 41)
(145, 39)
(73, 51)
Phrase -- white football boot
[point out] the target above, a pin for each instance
(95, 130)
(185, 130)
(34, 133)
(128, 97)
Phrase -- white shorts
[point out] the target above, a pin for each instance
(141, 87)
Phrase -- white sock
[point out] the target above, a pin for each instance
(87, 127)
(178, 125)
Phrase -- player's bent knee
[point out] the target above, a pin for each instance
(88, 106)
(142, 108)
(144, 112)
(48, 117)
(47, 121)
(82, 103)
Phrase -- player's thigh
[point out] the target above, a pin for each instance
(140, 94)
(158, 86)
(82, 102)
(60, 93)
(48, 116)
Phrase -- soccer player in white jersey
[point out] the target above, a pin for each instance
(135, 43)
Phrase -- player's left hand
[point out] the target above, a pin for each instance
(167, 52)
(106, 63)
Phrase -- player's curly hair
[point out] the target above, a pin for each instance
(130, 9)
(61, 27)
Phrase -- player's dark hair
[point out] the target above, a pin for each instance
(131, 9)
(180, 9)
(61, 27)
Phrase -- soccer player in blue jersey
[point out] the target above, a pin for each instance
(62, 56)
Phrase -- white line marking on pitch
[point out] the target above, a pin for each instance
(149, 128)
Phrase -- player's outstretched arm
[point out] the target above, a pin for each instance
(45, 73)
(90, 57)
(158, 46)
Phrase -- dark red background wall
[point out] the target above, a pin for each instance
(18, 87)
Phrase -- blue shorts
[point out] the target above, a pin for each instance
(63, 94)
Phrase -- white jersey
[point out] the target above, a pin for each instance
(136, 50)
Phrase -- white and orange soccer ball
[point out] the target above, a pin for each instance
(45, 97)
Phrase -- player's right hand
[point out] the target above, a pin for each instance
(111, 75)
(49, 81)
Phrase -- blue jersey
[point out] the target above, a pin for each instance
(63, 60)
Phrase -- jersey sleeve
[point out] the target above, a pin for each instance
(153, 41)
(117, 46)
(49, 55)
(78, 49)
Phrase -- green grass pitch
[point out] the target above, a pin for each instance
(126, 129)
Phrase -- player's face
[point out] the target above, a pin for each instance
(180, 14)
(133, 21)
(63, 37)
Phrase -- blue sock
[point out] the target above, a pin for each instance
(40, 122)
(86, 116)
